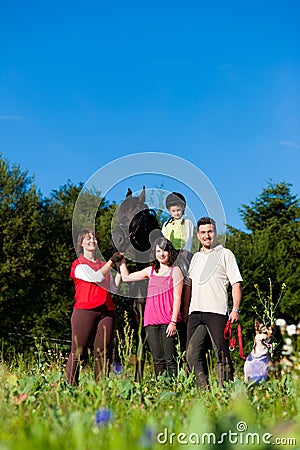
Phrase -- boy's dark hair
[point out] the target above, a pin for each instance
(206, 221)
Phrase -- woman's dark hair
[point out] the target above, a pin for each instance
(166, 245)
(83, 233)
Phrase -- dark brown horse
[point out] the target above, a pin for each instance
(134, 230)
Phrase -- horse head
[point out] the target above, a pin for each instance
(135, 226)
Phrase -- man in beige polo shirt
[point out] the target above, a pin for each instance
(211, 271)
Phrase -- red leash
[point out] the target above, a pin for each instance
(232, 339)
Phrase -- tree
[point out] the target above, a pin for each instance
(275, 204)
(20, 243)
(55, 287)
(270, 252)
(36, 252)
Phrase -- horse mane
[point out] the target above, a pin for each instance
(135, 223)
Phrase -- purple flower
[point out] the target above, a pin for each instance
(117, 368)
(147, 438)
(103, 416)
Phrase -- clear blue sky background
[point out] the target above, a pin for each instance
(214, 82)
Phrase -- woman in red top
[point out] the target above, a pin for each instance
(93, 314)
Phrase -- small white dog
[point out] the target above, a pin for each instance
(258, 362)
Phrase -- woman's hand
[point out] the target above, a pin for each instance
(171, 329)
(116, 257)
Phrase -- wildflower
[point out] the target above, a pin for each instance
(147, 438)
(287, 349)
(280, 323)
(291, 329)
(18, 399)
(117, 368)
(103, 416)
(268, 304)
(283, 286)
(286, 362)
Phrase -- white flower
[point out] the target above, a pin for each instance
(288, 341)
(287, 349)
(280, 323)
(286, 362)
(291, 329)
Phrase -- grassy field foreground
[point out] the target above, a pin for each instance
(39, 410)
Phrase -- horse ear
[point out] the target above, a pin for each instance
(129, 193)
(142, 196)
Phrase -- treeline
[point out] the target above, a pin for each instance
(36, 250)
(268, 255)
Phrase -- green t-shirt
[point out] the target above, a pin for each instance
(175, 231)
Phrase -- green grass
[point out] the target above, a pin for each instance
(39, 410)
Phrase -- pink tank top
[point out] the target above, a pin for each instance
(160, 299)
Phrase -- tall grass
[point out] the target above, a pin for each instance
(41, 411)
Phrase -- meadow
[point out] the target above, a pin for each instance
(39, 410)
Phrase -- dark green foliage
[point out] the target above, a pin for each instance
(20, 243)
(56, 255)
(269, 253)
(36, 252)
(275, 205)
(103, 229)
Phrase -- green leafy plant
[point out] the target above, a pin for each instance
(270, 306)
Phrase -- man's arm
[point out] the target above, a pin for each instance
(237, 298)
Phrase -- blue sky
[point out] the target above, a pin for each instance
(214, 82)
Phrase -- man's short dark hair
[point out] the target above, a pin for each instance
(206, 221)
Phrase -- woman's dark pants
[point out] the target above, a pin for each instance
(90, 326)
(163, 349)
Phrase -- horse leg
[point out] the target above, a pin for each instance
(138, 309)
(140, 340)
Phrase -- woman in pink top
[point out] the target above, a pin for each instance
(162, 310)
